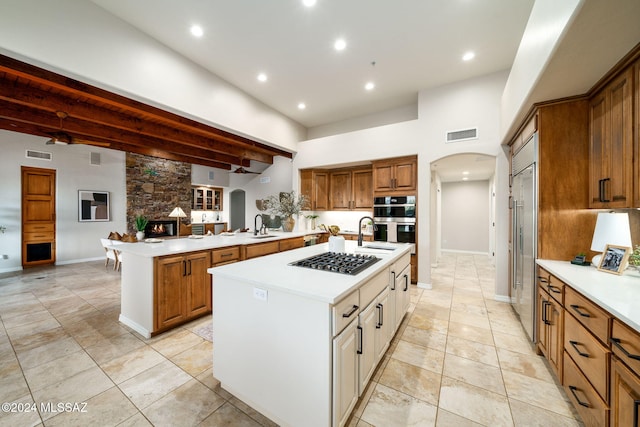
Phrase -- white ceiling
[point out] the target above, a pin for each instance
(415, 44)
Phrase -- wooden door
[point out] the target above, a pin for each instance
(383, 178)
(362, 184)
(321, 191)
(405, 175)
(170, 292)
(621, 141)
(340, 190)
(198, 284)
(38, 216)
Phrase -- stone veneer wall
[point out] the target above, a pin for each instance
(155, 187)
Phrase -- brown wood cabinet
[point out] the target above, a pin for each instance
(182, 288)
(351, 189)
(314, 185)
(395, 176)
(611, 144)
(550, 320)
(38, 216)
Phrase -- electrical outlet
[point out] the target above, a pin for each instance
(260, 294)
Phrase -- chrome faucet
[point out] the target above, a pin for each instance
(255, 224)
(360, 228)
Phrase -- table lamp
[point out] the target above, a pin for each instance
(612, 228)
(177, 213)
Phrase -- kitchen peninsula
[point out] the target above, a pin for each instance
(300, 344)
(166, 283)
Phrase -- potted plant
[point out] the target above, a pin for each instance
(140, 224)
(286, 205)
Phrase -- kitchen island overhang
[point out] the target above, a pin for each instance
(274, 327)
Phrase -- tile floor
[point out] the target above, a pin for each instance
(459, 359)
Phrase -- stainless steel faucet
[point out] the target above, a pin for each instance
(360, 228)
(255, 224)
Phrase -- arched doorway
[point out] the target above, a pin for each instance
(237, 200)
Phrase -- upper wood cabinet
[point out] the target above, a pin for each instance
(207, 199)
(314, 184)
(351, 189)
(395, 176)
(611, 144)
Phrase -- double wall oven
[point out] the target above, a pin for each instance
(395, 219)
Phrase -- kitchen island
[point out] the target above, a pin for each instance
(300, 344)
(165, 282)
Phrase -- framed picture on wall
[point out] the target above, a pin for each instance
(614, 259)
(93, 205)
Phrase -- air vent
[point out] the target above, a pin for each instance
(462, 135)
(95, 159)
(40, 155)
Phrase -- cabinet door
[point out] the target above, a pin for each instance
(384, 324)
(362, 187)
(405, 176)
(367, 321)
(625, 395)
(340, 191)
(320, 191)
(383, 177)
(345, 373)
(198, 284)
(170, 291)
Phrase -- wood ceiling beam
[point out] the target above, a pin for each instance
(49, 123)
(92, 94)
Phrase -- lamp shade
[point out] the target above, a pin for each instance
(177, 213)
(612, 228)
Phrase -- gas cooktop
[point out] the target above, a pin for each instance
(338, 262)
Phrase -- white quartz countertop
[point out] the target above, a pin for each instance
(619, 295)
(274, 272)
(186, 244)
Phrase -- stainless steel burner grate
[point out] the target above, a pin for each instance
(338, 262)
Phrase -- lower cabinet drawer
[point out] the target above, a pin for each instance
(592, 409)
(587, 352)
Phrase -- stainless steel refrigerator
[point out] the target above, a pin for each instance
(524, 210)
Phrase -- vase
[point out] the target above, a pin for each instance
(288, 224)
(140, 236)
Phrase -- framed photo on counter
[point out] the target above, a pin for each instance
(614, 259)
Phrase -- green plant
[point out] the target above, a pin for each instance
(141, 222)
(285, 204)
(634, 258)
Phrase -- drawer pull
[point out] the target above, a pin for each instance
(574, 344)
(554, 289)
(576, 308)
(573, 390)
(353, 310)
(616, 342)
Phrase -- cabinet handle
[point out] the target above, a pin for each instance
(353, 310)
(545, 319)
(576, 308)
(616, 342)
(574, 344)
(580, 402)
(379, 307)
(554, 289)
(406, 282)
(359, 340)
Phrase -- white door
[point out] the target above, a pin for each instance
(345, 373)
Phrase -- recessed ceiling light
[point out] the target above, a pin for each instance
(197, 31)
(468, 56)
(309, 3)
(370, 86)
(301, 106)
(340, 44)
(262, 77)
